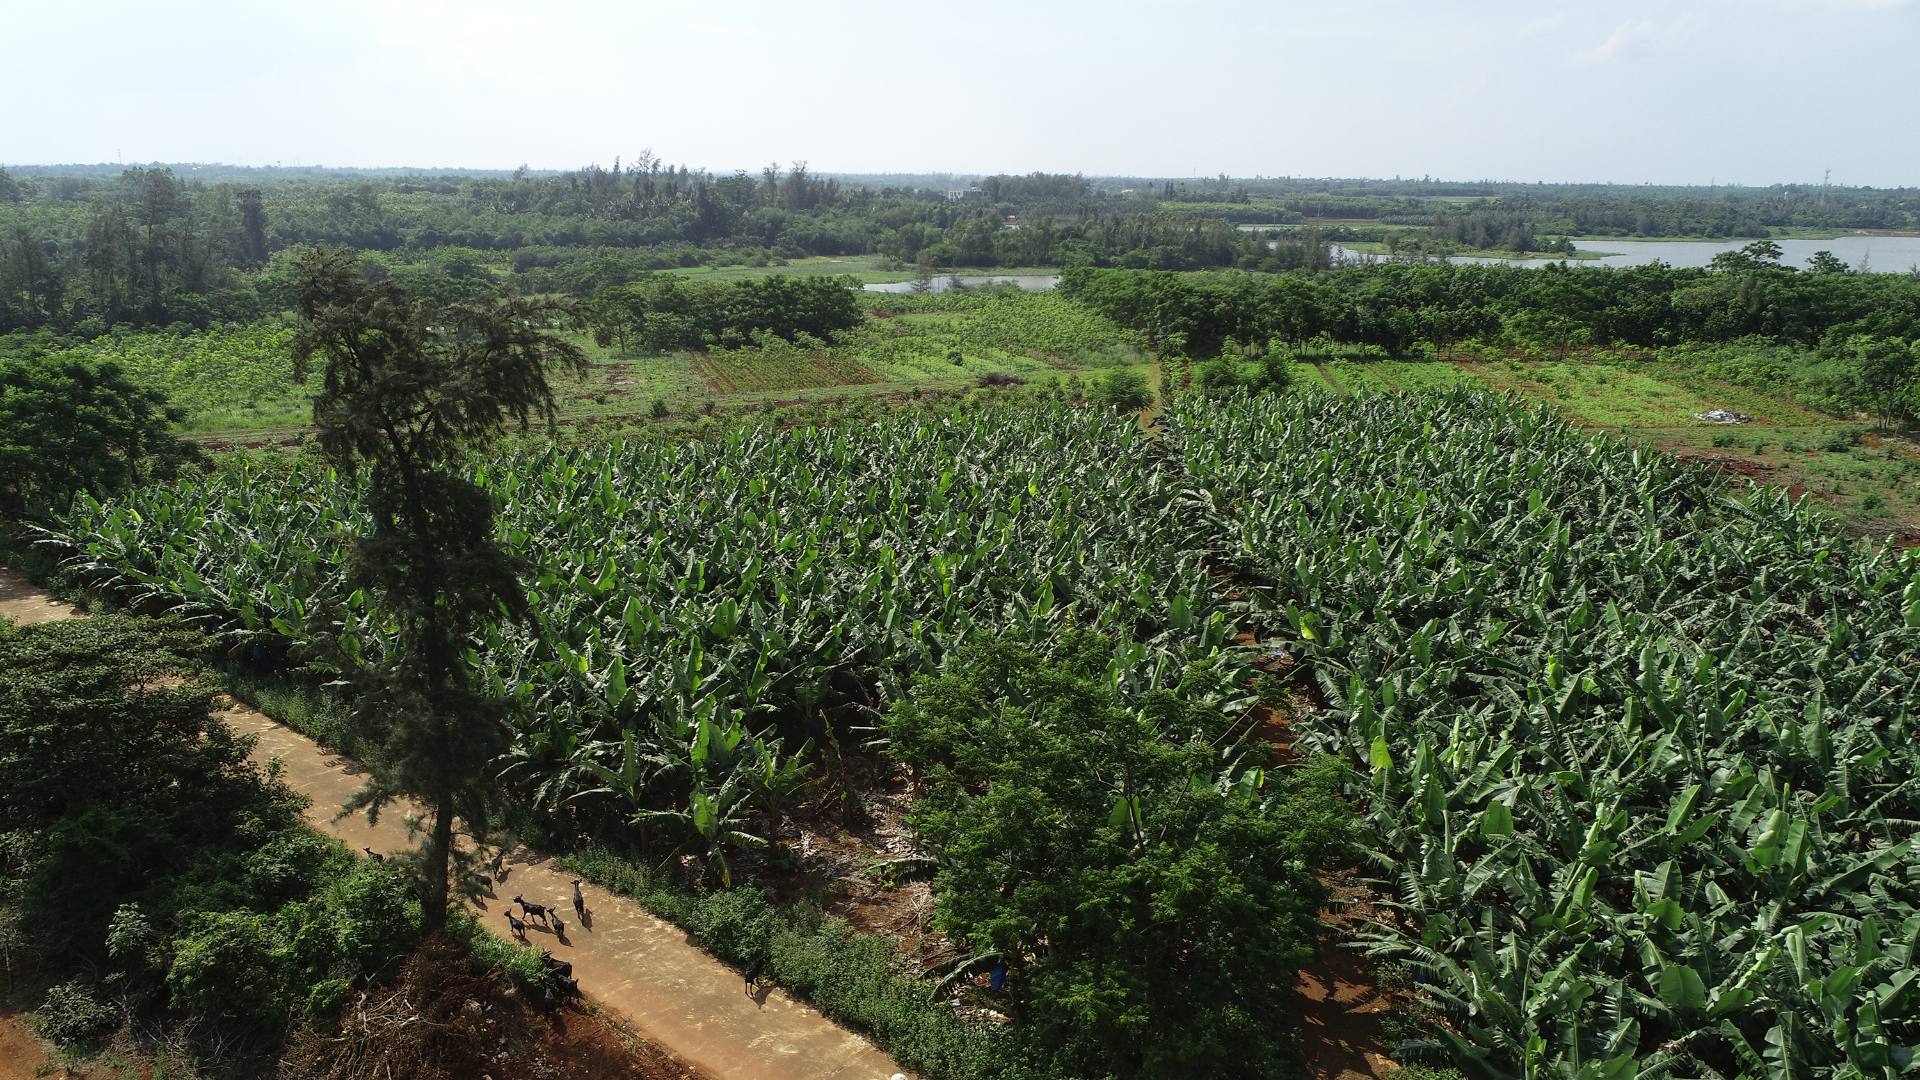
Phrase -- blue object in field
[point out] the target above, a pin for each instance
(259, 655)
(998, 980)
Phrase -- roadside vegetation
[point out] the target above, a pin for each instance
(198, 933)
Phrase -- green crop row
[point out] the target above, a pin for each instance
(707, 608)
(1642, 758)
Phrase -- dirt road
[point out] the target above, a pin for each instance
(638, 966)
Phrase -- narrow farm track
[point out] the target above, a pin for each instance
(21, 1055)
(635, 965)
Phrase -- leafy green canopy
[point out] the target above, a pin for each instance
(70, 426)
(770, 575)
(661, 312)
(138, 843)
(1402, 306)
(1151, 899)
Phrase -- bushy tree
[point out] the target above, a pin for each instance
(1151, 904)
(138, 843)
(408, 393)
(68, 426)
(1123, 390)
(1886, 376)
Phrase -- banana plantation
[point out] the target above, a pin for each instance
(1641, 757)
(1634, 749)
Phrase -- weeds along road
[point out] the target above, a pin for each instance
(639, 967)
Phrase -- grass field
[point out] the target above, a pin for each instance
(1380, 247)
(1869, 478)
(237, 388)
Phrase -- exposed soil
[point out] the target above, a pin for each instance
(835, 854)
(1341, 1005)
(21, 1055)
(25, 604)
(1754, 472)
(1757, 471)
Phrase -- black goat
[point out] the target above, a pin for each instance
(519, 928)
(533, 911)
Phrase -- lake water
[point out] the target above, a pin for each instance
(1882, 253)
(1895, 254)
(1030, 282)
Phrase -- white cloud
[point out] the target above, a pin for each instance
(1635, 37)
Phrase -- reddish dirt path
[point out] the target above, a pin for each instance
(21, 1055)
(639, 967)
(1342, 1007)
(1340, 1003)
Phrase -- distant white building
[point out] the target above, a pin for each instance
(962, 194)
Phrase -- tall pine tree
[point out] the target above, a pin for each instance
(409, 393)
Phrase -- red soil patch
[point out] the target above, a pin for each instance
(21, 1055)
(1755, 471)
(1341, 1006)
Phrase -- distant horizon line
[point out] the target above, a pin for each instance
(1711, 185)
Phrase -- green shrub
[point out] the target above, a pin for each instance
(522, 965)
(1219, 375)
(849, 975)
(1123, 390)
(71, 1013)
(231, 965)
(300, 705)
(1840, 441)
(733, 924)
(292, 864)
(1086, 895)
(219, 908)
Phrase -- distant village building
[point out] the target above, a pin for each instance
(962, 194)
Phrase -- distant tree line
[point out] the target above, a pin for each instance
(660, 312)
(88, 248)
(1400, 306)
(85, 252)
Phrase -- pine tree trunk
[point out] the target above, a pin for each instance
(439, 863)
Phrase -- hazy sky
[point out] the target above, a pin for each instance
(1753, 91)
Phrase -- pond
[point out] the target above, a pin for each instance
(1030, 282)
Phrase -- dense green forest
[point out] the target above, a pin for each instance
(1398, 305)
(156, 246)
(86, 248)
